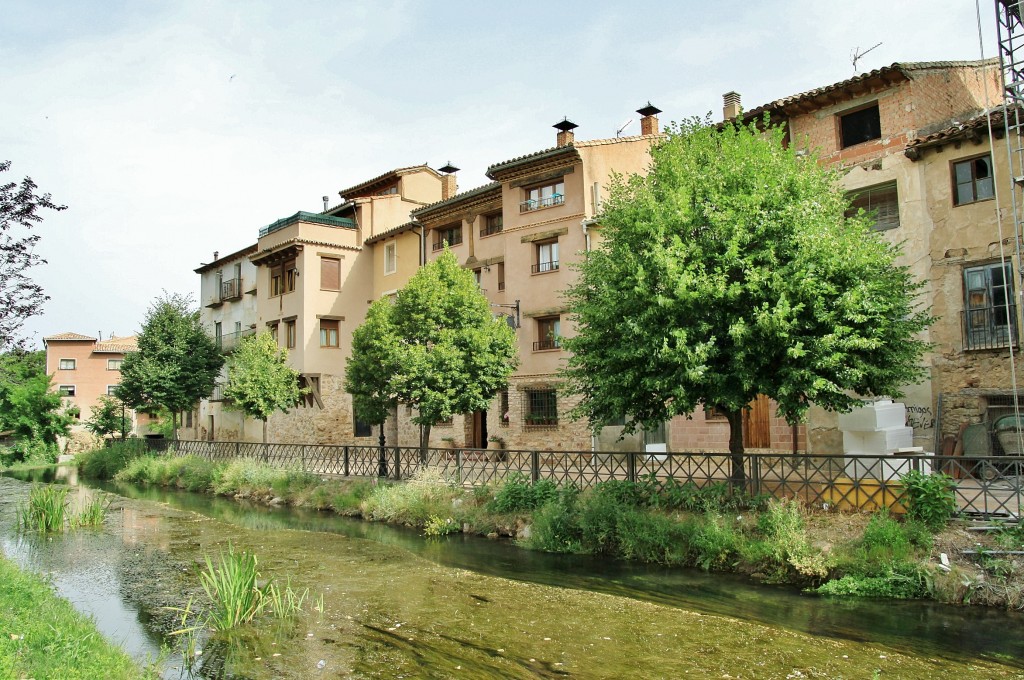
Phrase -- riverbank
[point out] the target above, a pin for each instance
(43, 636)
(780, 543)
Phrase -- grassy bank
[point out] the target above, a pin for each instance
(42, 636)
(666, 523)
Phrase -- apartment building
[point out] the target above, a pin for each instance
(308, 280)
(912, 146)
(84, 368)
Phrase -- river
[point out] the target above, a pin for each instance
(398, 605)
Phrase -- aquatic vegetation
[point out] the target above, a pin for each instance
(232, 586)
(46, 509)
(92, 514)
(287, 602)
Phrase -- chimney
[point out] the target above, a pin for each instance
(449, 185)
(649, 122)
(326, 202)
(215, 254)
(565, 128)
(730, 105)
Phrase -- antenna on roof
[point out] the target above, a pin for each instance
(624, 126)
(856, 55)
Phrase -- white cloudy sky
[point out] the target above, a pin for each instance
(175, 129)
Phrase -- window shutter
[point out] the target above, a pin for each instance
(330, 273)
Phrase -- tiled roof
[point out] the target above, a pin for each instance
(393, 231)
(238, 254)
(128, 343)
(554, 152)
(971, 127)
(891, 73)
(458, 198)
(68, 336)
(389, 176)
(615, 140)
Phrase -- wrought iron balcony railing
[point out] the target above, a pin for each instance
(538, 203)
(228, 342)
(230, 289)
(989, 327)
(542, 267)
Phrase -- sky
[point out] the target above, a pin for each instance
(175, 129)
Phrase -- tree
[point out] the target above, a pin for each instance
(177, 363)
(27, 405)
(260, 381)
(110, 415)
(730, 271)
(437, 347)
(20, 297)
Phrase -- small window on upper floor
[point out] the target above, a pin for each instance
(859, 126)
(67, 364)
(544, 196)
(452, 235)
(549, 335)
(972, 180)
(390, 190)
(66, 390)
(289, 334)
(114, 364)
(881, 199)
(493, 224)
(329, 332)
(391, 257)
(111, 390)
(546, 256)
(282, 278)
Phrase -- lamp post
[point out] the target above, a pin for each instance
(382, 457)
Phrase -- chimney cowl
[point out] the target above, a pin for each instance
(731, 106)
(448, 168)
(565, 135)
(649, 122)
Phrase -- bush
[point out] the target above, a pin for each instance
(184, 472)
(901, 583)
(715, 543)
(106, 462)
(555, 526)
(650, 537)
(413, 502)
(518, 494)
(931, 499)
(28, 453)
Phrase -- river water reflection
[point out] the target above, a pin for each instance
(396, 604)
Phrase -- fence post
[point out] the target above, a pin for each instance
(535, 465)
(345, 459)
(755, 475)
(631, 466)
(398, 462)
(302, 456)
(238, 451)
(458, 466)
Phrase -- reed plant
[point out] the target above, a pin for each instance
(92, 514)
(233, 588)
(286, 602)
(46, 510)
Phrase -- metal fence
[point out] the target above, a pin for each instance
(989, 487)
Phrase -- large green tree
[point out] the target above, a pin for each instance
(110, 415)
(260, 381)
(437, 348)
(177, 363)
(731, 270)
(28, 407)
(20, 297)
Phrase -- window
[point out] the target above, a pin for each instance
(989, 311)
(478, 277)
(330, 273)
(67, 364)
(493, 224)
(547, 257)
(501, 276)
(218, 334)
(290, 275)
(387, 192)
(328, 332)
(543, 197)
(114, 364)
(361, 429)
(452, 235)
(111, 389)
(713, 413)
(503, 406)
(66, 390)
(882, 200)
(276, 281)
(273, 331)
(972, 180)
(541, 408)
(289, 334)
(859, 126)
(548, 334)
(282, 278)
(391, 257)
(238, 331)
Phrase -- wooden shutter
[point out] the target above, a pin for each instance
(330, 273)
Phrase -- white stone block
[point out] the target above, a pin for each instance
(880, 415)
(880, 441)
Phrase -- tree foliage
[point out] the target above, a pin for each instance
(177, 363)
(109, 416)
(437, 348)
(260, 381)
(27, 405)
(20, 297)
(730, 271)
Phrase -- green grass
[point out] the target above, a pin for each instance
(233, 588)
(42, 636)
(92, 514)
(46, 510)
(106, 462)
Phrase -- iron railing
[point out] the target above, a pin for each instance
(989, 486)
(553, 343)
(538, 203)
(491, 229)
(989, 327)
(541, 267)
(230, 289)
(452, 241)
(228, 342)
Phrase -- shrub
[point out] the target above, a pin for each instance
(715, 543)
(599, 514)
(650, 537)
(28, 453)
(413, 502)
(436, 526)
(555, 526)
(901, 583)
(625, 493)
(784, 547)
(106, 462)
(931, 499)
(518, 494)
(249, 476)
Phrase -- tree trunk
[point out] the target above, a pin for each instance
(174, 426)
(424, 442)
(737, 475)
(264, 430)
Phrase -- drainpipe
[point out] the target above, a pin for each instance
(423, 245)
(586, 223)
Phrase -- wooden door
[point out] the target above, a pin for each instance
(756, 424)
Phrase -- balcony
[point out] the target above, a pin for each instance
(553, 343)
(538, 203)
(542, 267)
(231, 289)
(491, 229)
(989, 327)
(228, 342)
(452, 242)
